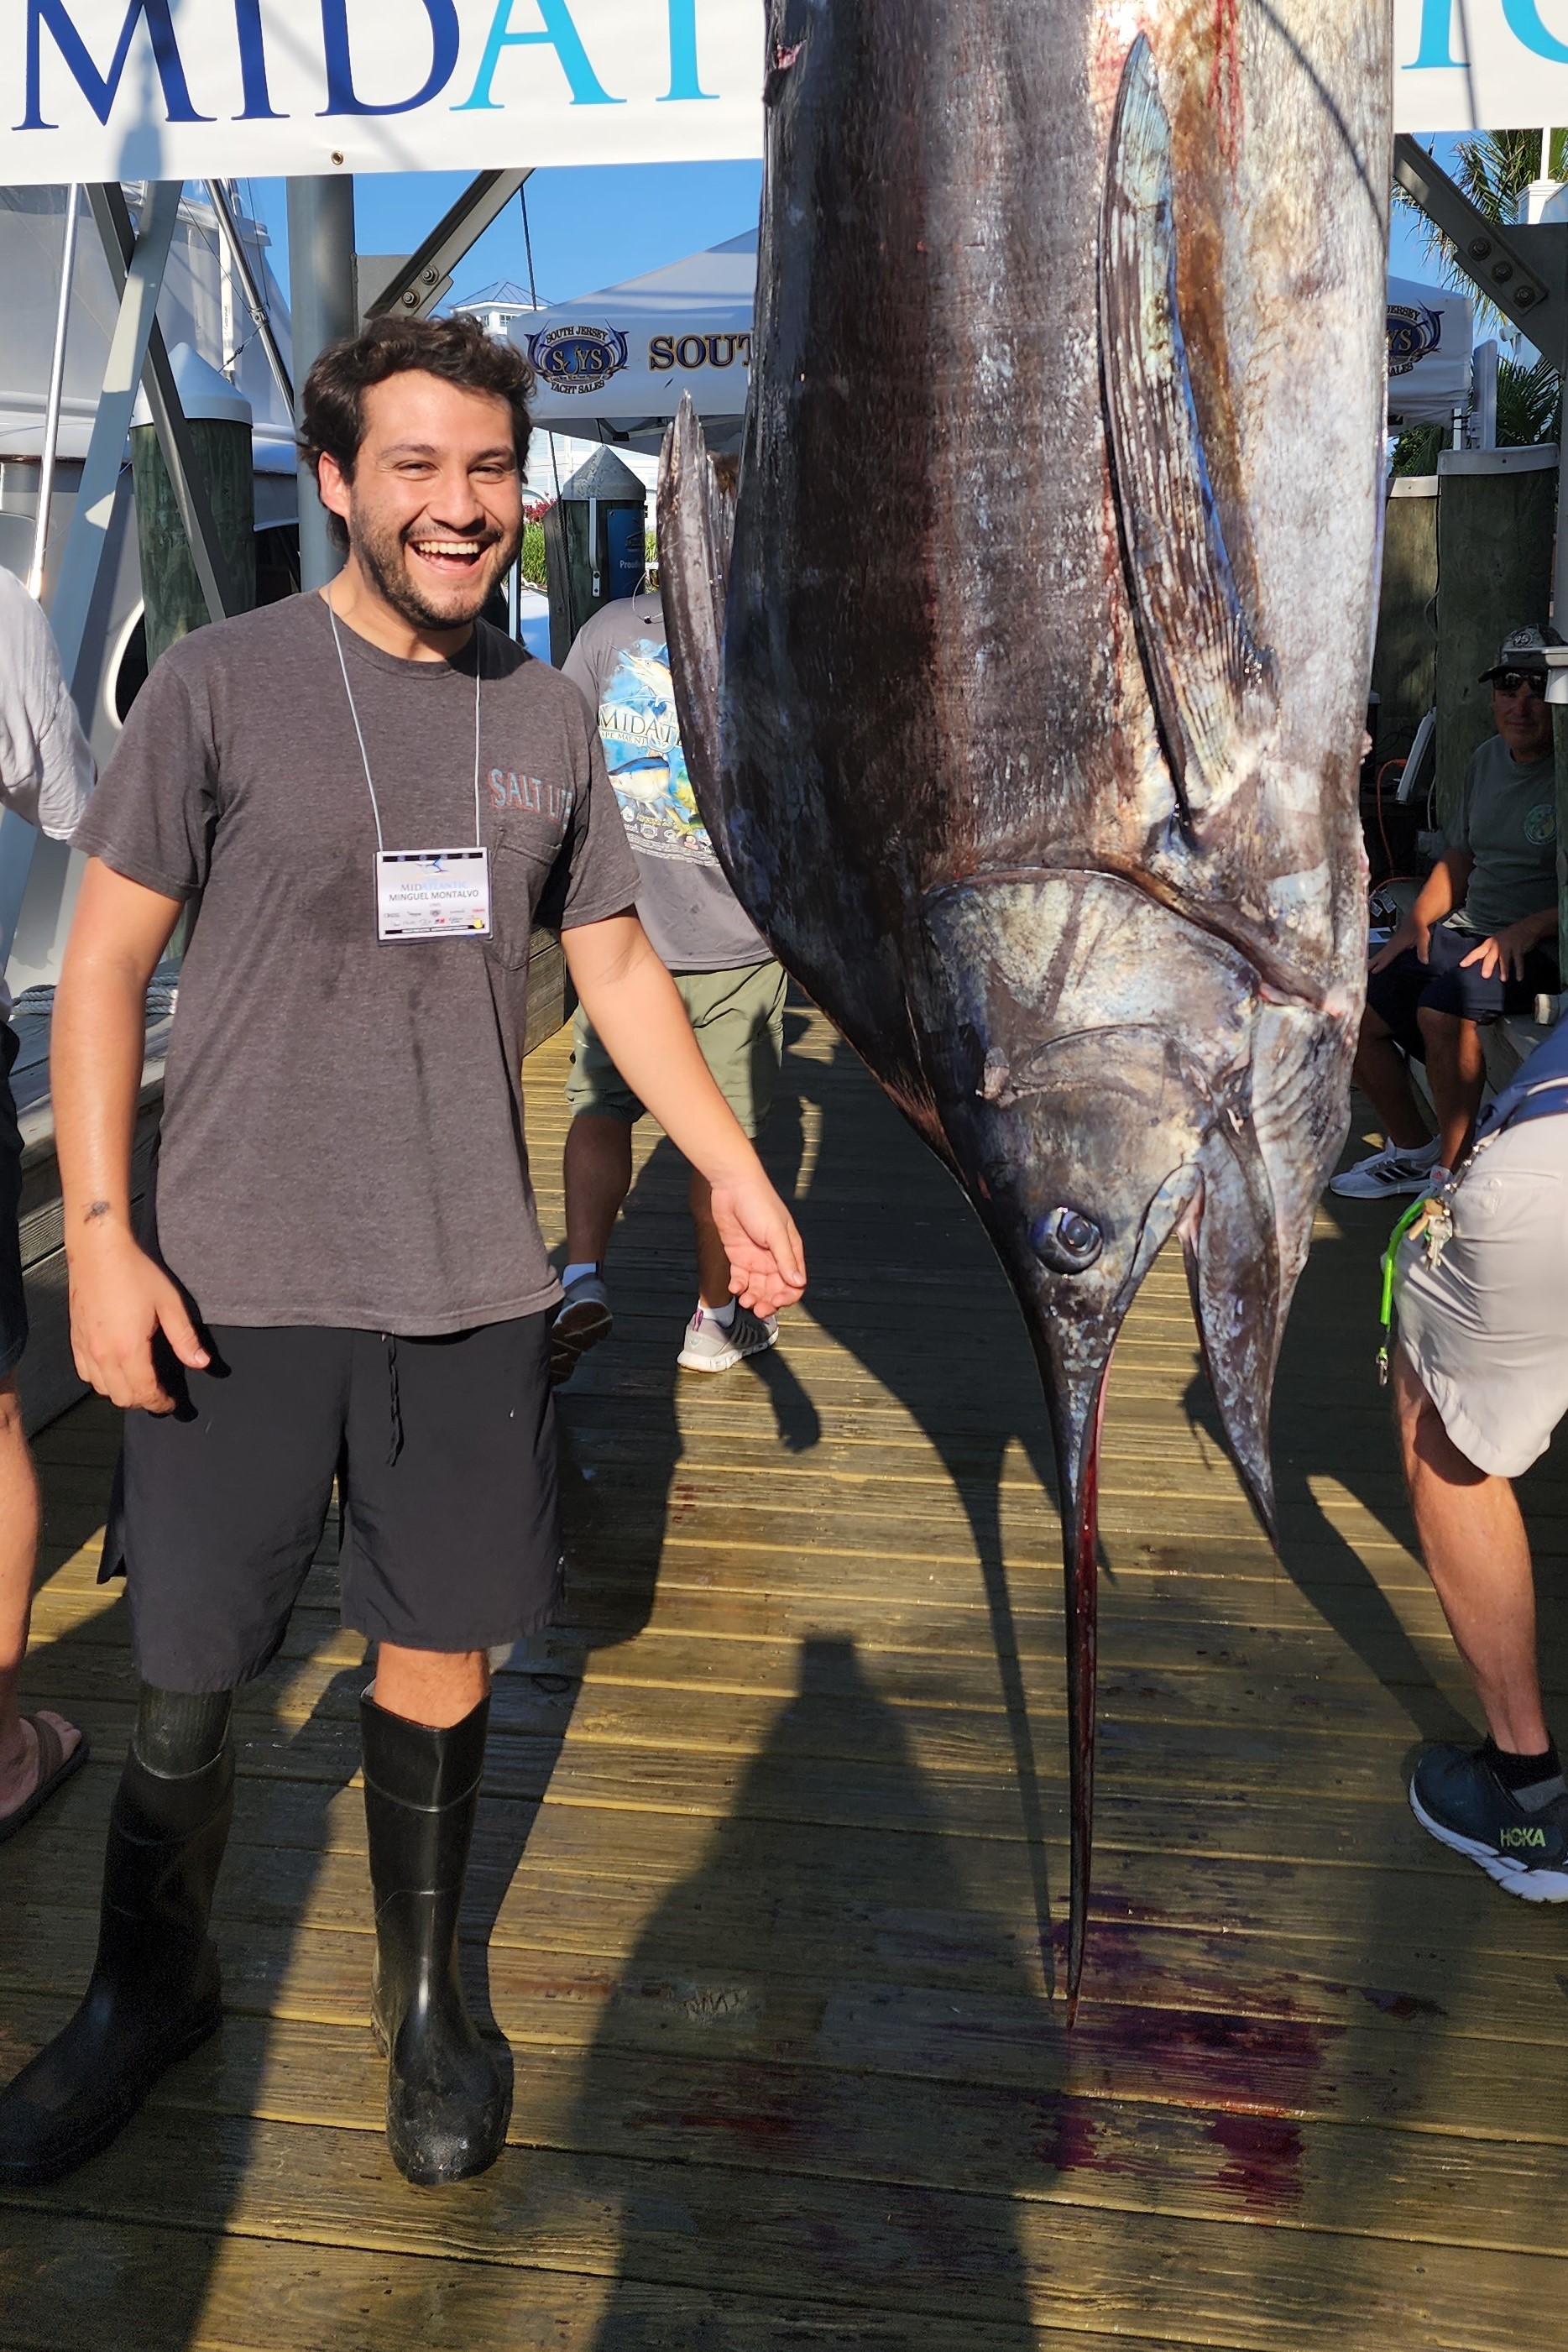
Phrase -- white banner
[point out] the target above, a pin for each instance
(100, 90)
(171, 89)
(1472, 64)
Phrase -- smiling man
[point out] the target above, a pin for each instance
(364, 800)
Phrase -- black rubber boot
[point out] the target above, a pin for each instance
(446, 2102)
(154, 1993)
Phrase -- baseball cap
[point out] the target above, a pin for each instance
(1522, 649)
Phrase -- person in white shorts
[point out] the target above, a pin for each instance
(1481, 1381)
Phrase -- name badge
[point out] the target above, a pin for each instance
(433, 894)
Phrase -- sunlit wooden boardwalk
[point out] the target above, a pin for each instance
(774, 1823)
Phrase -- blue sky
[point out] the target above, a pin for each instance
(591, 224)
(1407, 255)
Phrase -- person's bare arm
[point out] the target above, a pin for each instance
(633, 1003)
(1505, 951)
(119, 1298)
(1443, 890)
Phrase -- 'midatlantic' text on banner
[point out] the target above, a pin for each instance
(1462, 65)
(103, 89)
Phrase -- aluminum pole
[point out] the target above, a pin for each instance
(250, 287)
(52, 406)
(107, 200)
(322, 306)
(30, 858)
(95, 492)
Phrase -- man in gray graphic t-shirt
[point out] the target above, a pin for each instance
(365, 798)
(731, 988)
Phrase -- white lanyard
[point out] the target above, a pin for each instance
(425, 894)
(365, 755)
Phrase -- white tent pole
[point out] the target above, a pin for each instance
(20, 861)
(106, 445)
(52, 406)
(255, 301)
(185, 478)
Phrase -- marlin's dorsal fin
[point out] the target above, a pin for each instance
(695, 522)
(1211, 685)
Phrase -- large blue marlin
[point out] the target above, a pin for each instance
(1026, 709)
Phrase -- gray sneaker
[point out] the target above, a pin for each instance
(714, 1347)
(1387, 1174)
(582, 1320)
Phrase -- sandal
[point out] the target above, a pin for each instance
(55, 1769)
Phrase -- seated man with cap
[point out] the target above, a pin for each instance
(1480, 941)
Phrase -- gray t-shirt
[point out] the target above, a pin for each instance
(45, 768)
(1507, 819)
(342, 1137)
(621, 661)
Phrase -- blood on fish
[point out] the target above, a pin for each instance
(1225, 97)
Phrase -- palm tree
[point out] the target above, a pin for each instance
(1493, 168)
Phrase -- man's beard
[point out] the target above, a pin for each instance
(381, 557)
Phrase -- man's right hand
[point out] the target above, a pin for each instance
(1410, 934)
(120, 1301)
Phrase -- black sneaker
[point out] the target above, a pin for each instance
(1459, 1799)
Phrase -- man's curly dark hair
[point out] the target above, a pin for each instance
(457, 350)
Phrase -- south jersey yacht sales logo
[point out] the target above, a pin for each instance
(577, 358)
(1414, 333)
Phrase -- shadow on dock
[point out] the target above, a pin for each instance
(800, 2179)
(901, 1331)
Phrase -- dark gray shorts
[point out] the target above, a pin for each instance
(445, 1449)
(13, 1297)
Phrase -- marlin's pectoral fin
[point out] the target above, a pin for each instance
(1210, 682)
(696, 521)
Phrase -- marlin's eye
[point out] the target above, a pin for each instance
(1065, 1240)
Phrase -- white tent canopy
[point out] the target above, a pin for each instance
(613, 365)
(1429, 334)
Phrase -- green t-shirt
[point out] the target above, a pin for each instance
(1508, 821)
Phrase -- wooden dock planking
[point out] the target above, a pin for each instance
(771, 1818)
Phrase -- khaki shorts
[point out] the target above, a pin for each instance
(1487, 1327)
(738, 1020)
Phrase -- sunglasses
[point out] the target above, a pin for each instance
(1509, 681)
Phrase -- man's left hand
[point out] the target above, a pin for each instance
(767, 1263)
(1503, 956)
